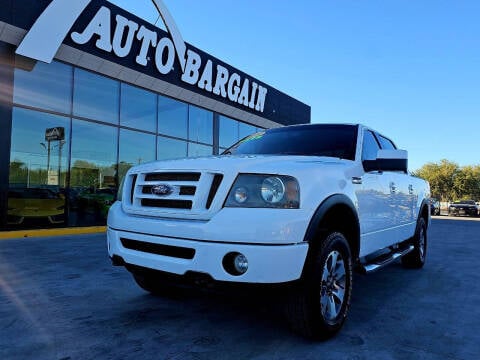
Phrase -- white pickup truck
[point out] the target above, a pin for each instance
(303, 206)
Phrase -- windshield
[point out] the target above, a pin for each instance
(32, 193)
(465, 202)
(311, 140)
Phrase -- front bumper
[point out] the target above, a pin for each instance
(266, 263)
(271, 239)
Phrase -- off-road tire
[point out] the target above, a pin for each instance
(416, 258)
(306, 310)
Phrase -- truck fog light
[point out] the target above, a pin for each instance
(235, 264)
(240, 263)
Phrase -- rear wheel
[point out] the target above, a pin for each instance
(319, 307)
(416, 258)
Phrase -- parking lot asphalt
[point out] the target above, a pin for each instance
(61, 299)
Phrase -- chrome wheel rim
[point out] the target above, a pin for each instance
(421, 243)
(332, 291)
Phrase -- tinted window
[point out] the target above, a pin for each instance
(172, 117)
(34, 160)
(94, 166)
(199, 150)
(315, 140)
(370, 146)
(94, 155)
(38, 170)
(96, 97)
(466, 202)
(228, 133)
(246, 130)
(170, 148)
(200, 127)
(386, 143)
(138, 108)
(135, 148)
(47, 86)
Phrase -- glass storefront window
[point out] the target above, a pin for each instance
(135, 148)
(170, 148)
(172, 117)
(199, 150)
(38, 169)
(65, 170)
(245, 130)
(138, 108)
(228, 132)
(92, 173)
(95, 97)
(200, 127)
(46, 86)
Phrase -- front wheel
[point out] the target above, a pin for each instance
(416, 258)
(319, 307)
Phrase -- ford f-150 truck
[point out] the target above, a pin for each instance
(303, 205)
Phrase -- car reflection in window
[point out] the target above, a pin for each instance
(35, 205)
(96, 201)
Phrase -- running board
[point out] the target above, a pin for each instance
(379, 263)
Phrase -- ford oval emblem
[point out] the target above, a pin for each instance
(162, 190)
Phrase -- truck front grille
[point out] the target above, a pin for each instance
(217, 180)
(184, 190)
(168, 194)
(169, 204)
(174, 176)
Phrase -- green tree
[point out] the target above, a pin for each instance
(441, 177)
(450, 182)
(467, 183)
(18, 172)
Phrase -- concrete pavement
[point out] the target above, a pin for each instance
(61, 299)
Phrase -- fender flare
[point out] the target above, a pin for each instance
(425, 204)
(314, 230)
(322, 210)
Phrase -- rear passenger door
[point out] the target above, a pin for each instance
(402, 192)
(373, 192)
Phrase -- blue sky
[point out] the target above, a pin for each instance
(409, 69)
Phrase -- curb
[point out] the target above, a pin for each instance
(5, 235)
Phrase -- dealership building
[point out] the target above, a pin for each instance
(88, 90)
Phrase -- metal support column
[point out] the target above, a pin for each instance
(7, 61)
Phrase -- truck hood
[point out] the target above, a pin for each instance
(273, 164)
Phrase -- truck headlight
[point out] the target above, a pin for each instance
(264, 191)
(241, 195)
(273, 190)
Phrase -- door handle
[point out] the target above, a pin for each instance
(356, 180)
(393, 188)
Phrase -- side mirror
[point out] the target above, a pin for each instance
(388, 160)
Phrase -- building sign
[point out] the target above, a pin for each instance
(111, 30)
(52, 178)
(55, 134)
